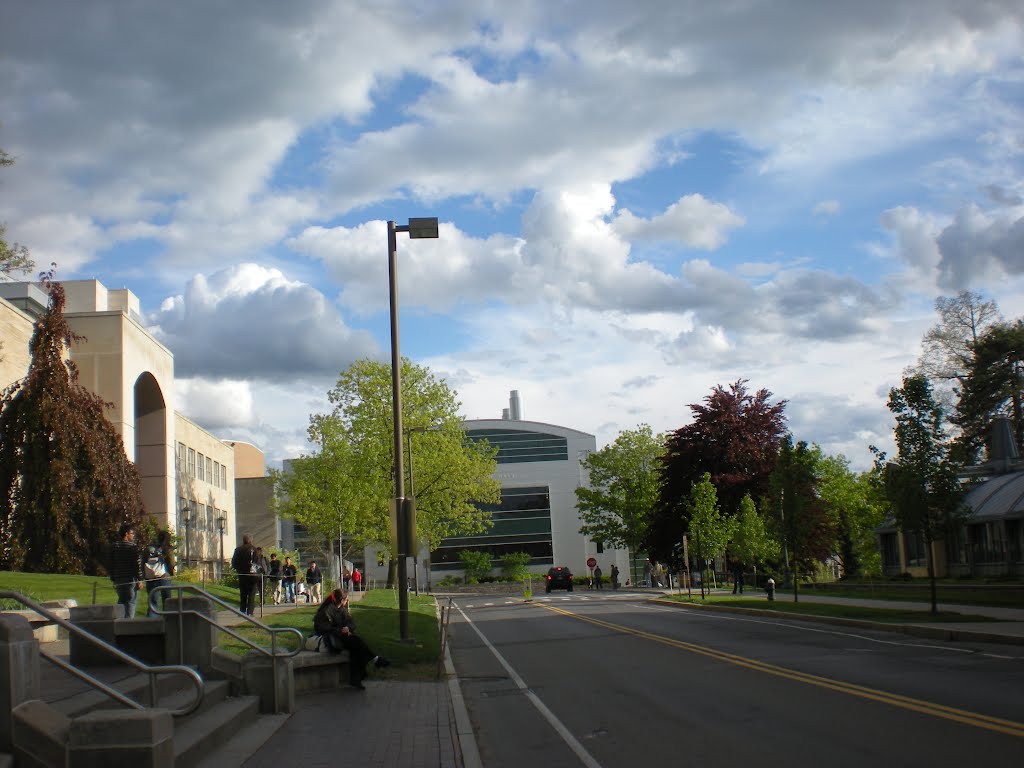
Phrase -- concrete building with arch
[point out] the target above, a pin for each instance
(187, 473)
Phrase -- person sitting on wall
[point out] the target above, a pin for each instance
(334, 623)
(301, 591)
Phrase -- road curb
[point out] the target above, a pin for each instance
(915, 630)
(463, 727)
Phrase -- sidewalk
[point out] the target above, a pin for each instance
(392, 724)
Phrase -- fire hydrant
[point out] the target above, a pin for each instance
(771, 589)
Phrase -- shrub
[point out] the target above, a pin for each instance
(476, 563)
(513, 566)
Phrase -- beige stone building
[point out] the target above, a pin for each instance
(187, 473)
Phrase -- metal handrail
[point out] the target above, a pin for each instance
(273, 653)
(152, 671)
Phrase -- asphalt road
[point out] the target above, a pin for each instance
(611, 680)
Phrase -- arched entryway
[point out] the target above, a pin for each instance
(151, 444)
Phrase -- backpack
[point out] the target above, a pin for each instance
(154, 566)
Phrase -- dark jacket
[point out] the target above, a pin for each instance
(331, 617)
(275, 569)
(289, 572)
(125, 562)
(243, 559)
(314, 577)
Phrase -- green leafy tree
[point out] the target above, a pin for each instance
(477, 564)
(856, 509)
(921, 484)
(751, 542)
(66, 484)
(710, 530)
(624, 488)
(13, 257)
(349, 482)
(734, 437)
(805, 523)
(993, 387)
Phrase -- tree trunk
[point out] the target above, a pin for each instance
(931, 576)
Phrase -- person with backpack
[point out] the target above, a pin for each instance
(158, 568)
(244, 563)
(334, 623)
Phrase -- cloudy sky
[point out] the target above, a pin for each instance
(637, 200)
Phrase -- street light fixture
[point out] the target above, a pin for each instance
(186, 509)
(220, 526)
(417, 229)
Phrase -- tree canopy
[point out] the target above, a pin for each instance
(349, 481)
(993, 386)
(751, 542)
(66, 484)
(734, 437)
(921, 483)
(624, 489)
(802, 517)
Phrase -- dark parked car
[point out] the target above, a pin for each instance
(559, 577)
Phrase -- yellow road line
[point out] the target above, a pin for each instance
(999, 725)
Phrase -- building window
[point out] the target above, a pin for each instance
(191, 462)
(216, 474)
(516, 446)
(914, 548)
(224, 477)
(209, 469)
(182, 453)
(202, 467)
(521, 523)
(600, 547)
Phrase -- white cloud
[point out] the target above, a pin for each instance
(249, 321)
(692, 220)
(826, 208)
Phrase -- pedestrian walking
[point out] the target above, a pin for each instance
(274, 577)
(357, 580)
(288, 574)
(314, 580)
(597, 576)
(126, 569)
(244, 563)
(615, 576)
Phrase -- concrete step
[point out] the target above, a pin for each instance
(196, 736)
(245, 743)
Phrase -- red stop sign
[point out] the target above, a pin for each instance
(591, 562)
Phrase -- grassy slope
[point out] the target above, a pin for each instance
(86, 590)
(376, 616)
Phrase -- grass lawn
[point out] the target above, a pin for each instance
(1007, 596)
(86, 590)
(783, 606)
(376, 616)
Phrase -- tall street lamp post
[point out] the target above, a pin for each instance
(417, 229)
